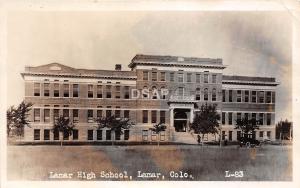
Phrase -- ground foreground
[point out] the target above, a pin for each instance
(171, 162)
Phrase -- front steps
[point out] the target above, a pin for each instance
(184, 137)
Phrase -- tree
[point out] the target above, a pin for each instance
(284, 129)
(63, 125)
(117, 125)
(247, 125)
(158, 128)
(206, 121)
(17, 118)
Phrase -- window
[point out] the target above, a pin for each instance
(163, 92)
(206, 78)
(46, 89)
(126, 114)
(90, 116)
(198, 94)
(273, 97)
(180, 77)
(154, 92)
(261, 134)
(171, 76)
(162, 76)
(214, 78)
(238, 135)
(36, 134)
(223, 118)
(269, 134)
(37, 115)
(268, 97)
(117, 113)
(108, 135)
(230, 96)
(246, 99)
(56, 90)
(154, 76)
(153, 116)
(66, 135)
(75, 134)
(99, 113)
(162, 117)
(253, 134)
(230, 136)
(253, 94)
(46, 134)
(223, 135)
(56, 135)
(145, 75)
(153, 135)
(99, 91)
(117, 135)
(214, 95)
(90, 135)
(230, 118)
(206, 94)
(118, 90)
(55, 114)
(75, 90)
(268, 119)
(180, 91)
(66, 90)
(46, 115)
(238, 116)
(37, 88)
(66, 113)
(261, 118)
(189, 77)
(126, 135)
(75, 115)
(261, 96)
(108, 91)
(198, 78)
(145, 135)
(162, 136)
(253, 116)
(108, 113)
(223, 95)
(239, 96)
(246, 115)
(99, 134)
(90, 91)
(145, 116)
(126, 92)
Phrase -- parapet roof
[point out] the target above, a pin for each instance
(175, 61)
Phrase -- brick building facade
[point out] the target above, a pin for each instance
(165, 89)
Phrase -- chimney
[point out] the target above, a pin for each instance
(118, 67)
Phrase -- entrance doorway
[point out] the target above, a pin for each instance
(180, 120)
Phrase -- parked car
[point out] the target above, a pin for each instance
(249, 142)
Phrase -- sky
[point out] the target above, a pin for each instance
(250, 43)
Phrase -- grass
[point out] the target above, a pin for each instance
(269, 163)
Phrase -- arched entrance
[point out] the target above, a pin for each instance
(180, 120)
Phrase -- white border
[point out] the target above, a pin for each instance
(118, 5)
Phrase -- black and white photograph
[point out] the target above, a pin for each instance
(143, 95)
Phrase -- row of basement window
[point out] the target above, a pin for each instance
(228, 136)
(75, 133)
(262, 118)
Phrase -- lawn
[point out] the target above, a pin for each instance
(269, 163)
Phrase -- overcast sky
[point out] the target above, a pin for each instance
(252, 44)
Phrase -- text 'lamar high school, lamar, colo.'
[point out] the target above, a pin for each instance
(166, 89)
